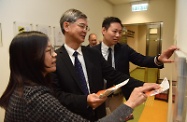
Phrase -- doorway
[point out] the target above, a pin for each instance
(154, 38)
(145, 38)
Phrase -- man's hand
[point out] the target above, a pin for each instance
(164, 57)
(94, 101)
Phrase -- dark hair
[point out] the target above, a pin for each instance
(27, 54)
(108, 20)
(71, 15)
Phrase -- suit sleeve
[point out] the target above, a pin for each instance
(42, 106)
(141, 60)
(119, 115)
(115, 77)
(129, 87)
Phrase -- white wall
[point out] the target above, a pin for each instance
(158, 10)
(180, 36)
(180, 69)
(46, 12)
(133, 43)
(181, 25)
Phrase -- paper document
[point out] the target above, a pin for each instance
(109, 91)
(163, 87)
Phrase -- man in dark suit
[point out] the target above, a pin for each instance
(92, 38)
(122, 54)
(75, 85)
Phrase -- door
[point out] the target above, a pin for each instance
(153, 47)
(153, 43)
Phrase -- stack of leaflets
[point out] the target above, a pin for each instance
(163, 87)
(109, 91)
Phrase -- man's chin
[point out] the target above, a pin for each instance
(82, 40)
(115, 42)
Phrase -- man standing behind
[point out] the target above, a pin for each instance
(92, 38)
(122, 54)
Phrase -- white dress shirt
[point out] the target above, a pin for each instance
(81, 59)
(105, 52)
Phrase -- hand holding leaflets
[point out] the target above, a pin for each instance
(163, 87)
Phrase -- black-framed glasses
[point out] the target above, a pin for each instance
(83, 26)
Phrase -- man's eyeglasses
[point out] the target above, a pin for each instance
(83, 26)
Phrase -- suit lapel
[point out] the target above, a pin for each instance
(116, 54)
(67, 61)
(89, 66)
(99, 47)
(69, 66)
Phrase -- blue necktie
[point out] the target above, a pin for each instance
(80, 73)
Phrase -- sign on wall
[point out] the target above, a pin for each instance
(22, 27)
(44, 29)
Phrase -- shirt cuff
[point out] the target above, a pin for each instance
(157, 62)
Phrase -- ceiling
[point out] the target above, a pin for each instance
(117, 2)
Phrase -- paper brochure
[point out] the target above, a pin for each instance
(109, 91)
(163, 87)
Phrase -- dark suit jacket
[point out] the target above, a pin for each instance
(123, 54)
(88, 45)
(67, 86)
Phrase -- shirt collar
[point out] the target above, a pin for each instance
(71, 50)
(104, 47)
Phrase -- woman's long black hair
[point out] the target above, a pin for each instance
(27, 53)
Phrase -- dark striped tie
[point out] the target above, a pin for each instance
(80, 73)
